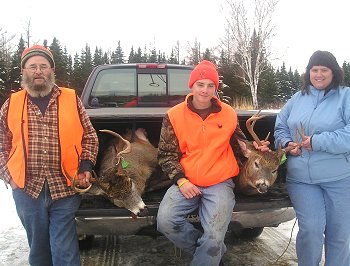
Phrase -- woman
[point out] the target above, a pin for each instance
(318, 168)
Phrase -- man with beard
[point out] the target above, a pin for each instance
(46, 136)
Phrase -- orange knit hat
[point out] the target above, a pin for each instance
(37, 50)
(204, 70)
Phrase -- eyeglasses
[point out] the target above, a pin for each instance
(33, 68)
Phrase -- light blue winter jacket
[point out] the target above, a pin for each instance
(327, 119)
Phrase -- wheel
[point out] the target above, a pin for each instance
(247, 233)
(85, 241)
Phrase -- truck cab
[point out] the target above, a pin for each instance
(130, 96)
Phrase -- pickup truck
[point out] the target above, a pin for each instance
(130, 96)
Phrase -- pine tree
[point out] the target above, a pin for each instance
(60, 63)
(117, 56)
(296, 82)
(86, 67)
(67, 58)
(77, 73)
(172, 59)
(153, 56)
(15, 71)
(268, 89)
(98, 59)
(105, 58)
(283, 83)
(346, 70)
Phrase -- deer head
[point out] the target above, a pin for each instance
(259, 171)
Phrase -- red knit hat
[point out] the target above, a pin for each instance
(37, 50)
(204, 70)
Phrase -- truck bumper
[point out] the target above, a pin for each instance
(124, 224)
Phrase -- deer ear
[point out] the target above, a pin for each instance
(245, 147)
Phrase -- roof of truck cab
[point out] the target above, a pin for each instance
(153, 112)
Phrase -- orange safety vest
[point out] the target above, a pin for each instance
(207, 156)
(70, 131)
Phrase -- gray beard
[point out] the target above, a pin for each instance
(38, 91)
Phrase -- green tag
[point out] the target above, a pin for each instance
(125, 164)
(283, 159)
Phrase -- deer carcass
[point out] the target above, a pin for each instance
(259, 171)
(124, 170)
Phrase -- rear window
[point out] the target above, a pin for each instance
(133, 87)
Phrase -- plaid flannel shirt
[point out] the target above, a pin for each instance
(44, 149)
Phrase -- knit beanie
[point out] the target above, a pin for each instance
(204, 70)
(323, 58)
(37, 50)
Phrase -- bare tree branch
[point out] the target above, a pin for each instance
(248, 42)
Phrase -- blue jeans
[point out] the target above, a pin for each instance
(215, 207)
(323, 212)
(50, 227)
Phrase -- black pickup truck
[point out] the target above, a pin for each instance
(130, 96)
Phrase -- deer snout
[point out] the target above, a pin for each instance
(262, 188)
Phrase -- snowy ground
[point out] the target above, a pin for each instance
(127, 250)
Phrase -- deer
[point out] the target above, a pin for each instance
(259, 172)
(124, 170)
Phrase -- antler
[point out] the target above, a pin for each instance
(299, 133)
(73, 181)
(127, 143)
(250, 127)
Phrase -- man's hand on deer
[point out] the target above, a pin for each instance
(84, 179)
(262, 145)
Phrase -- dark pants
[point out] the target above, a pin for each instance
(50, 227)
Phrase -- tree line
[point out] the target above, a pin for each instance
(275, 87)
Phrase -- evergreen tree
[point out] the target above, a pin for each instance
(136, 57)
(77, 73)
(231, 85)
(208, 56)
(162, 58)
(15, 71)
(60, 63)
(172, 59)
(268, 89)
(153, 56)
(86, 67)
(346, 70)
(117, 56)
(194, 53)
(283, 83)
(131, 55)
(69, 67)
(296, 82)
(98, 59)
(105, 58)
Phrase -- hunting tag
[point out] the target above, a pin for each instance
(125, 164)
(283, 159)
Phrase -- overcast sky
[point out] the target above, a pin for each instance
(302, 26)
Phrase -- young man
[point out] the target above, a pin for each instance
(44, 133)
(195, 151)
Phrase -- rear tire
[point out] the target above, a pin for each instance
(247, 233)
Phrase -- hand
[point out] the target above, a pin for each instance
(264, 147)
(188, 189)
(296, 151)
(84, 179)
(306, 143)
